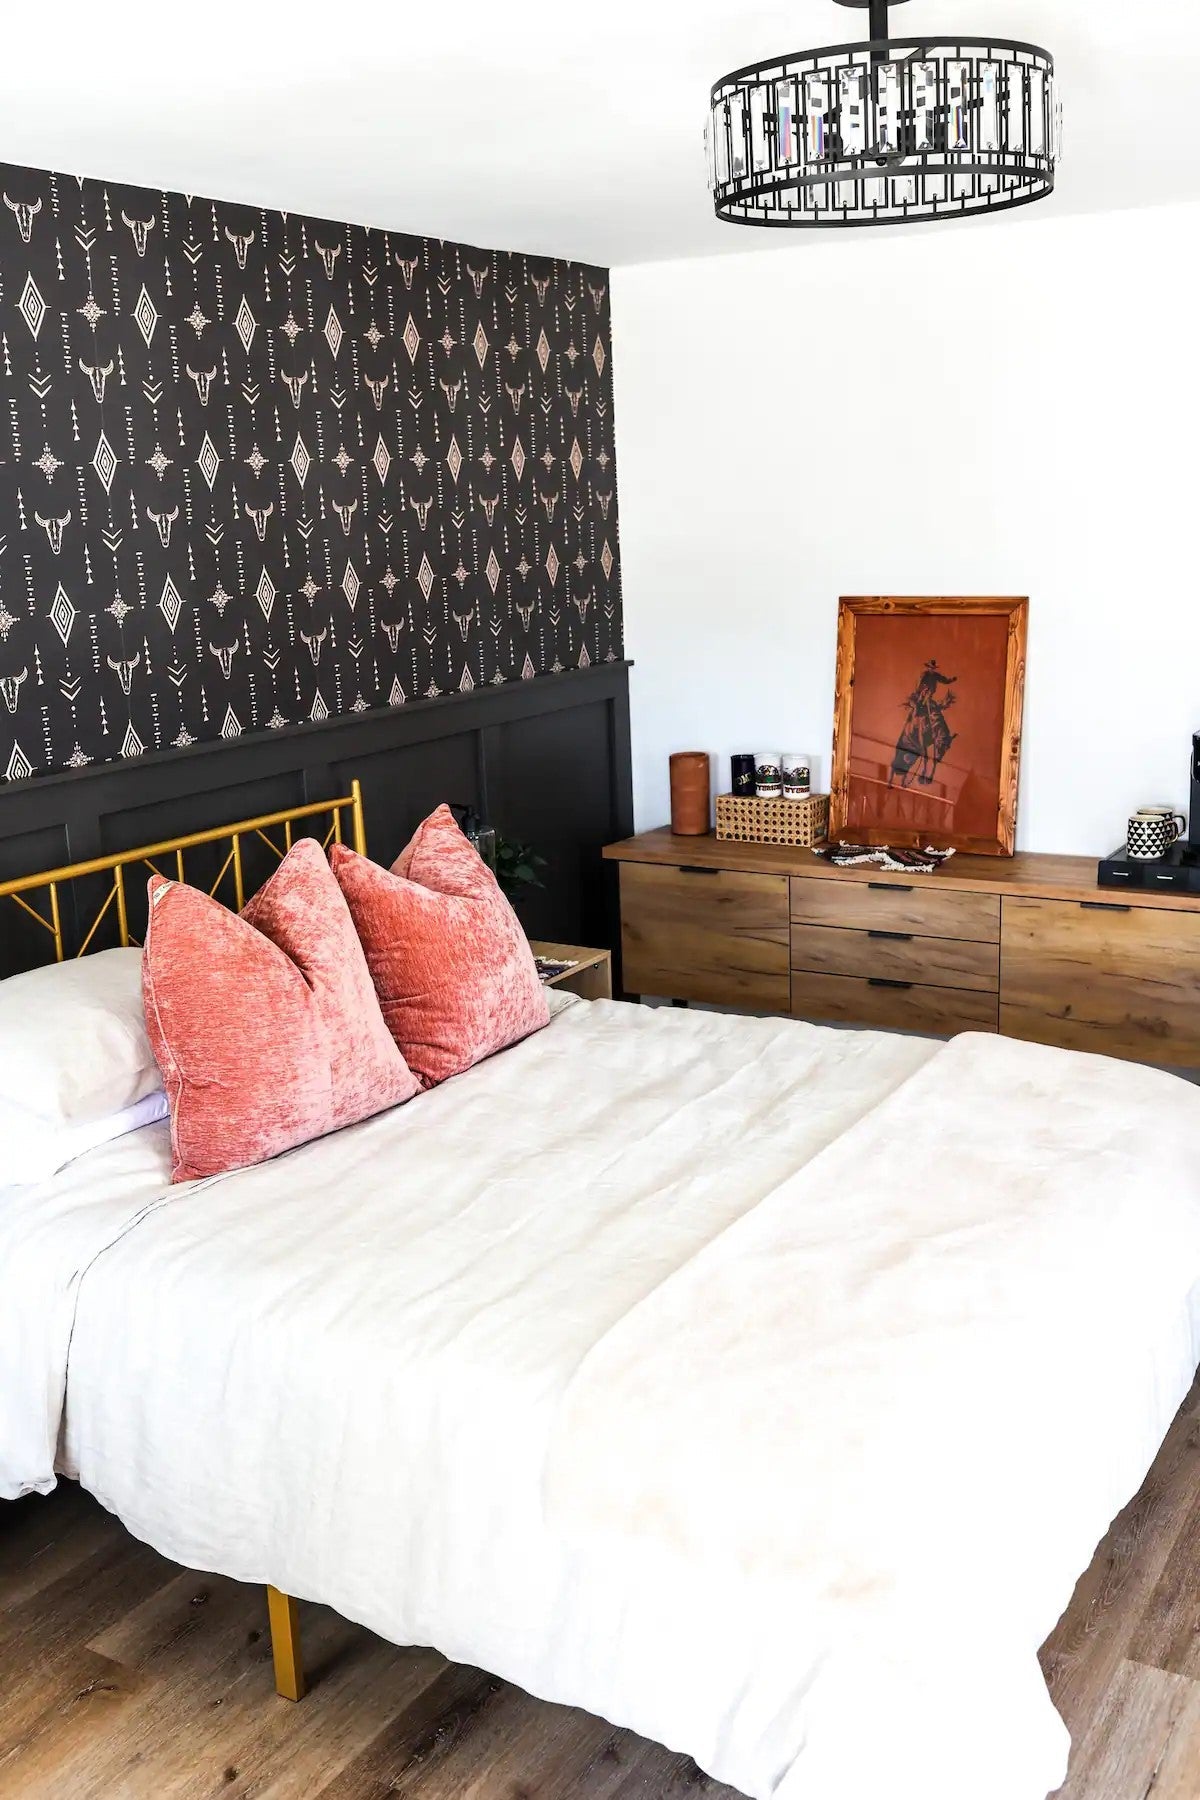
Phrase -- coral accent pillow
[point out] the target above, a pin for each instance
(453, 970)
(265, 1025)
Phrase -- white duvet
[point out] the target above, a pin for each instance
(761, 1387)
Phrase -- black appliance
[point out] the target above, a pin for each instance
(1179, 868)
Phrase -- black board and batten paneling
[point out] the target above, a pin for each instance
(546, 761)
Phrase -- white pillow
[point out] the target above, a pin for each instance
(34, 1149)
(73, 1043)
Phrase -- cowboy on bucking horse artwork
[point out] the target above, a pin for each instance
(925, 736)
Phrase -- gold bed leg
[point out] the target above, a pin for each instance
(285, 1644)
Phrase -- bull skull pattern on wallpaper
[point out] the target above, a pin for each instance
(259, 470)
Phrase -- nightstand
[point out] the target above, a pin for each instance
(590, 974)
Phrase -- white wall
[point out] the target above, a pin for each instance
(1011, 407)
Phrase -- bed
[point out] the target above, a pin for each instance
(714, 1374)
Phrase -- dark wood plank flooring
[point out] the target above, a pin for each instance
(126, 1678)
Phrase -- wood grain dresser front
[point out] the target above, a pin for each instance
(711, 934)
(874, 953)
(1121, 979)
(1027, 945)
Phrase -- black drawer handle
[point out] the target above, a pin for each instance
(893, 937)
(891, 887)
(878, 981)
(1104, 906)
(693, 869)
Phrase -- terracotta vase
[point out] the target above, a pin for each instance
(691, 785)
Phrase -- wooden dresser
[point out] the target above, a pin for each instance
(1027, 945)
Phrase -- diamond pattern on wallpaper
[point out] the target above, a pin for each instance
(258, 469)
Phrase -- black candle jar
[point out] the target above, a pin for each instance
(742, 770)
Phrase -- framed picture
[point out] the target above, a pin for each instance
(927, 722)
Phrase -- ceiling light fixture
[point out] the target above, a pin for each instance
(882, 132)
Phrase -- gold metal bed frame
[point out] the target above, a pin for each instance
(150, 855)
(281, 1608)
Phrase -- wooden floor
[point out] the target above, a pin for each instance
(122, 1676)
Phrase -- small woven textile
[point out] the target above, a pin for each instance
(915, 862)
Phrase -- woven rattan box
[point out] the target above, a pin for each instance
(748, 820)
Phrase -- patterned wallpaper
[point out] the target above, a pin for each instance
(258, 469)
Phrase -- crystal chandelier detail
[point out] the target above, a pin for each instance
(885, 131)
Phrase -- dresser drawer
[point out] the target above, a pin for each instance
(698, 934)
(935, 962)
(885, 906)
(851, 1000)
(1120, 981)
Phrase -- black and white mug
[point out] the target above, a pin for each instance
(1152, 831)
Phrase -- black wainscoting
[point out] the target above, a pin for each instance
(545, 761)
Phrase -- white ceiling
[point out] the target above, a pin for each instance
(536, 125)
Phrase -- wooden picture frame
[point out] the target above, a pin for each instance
(899, 712)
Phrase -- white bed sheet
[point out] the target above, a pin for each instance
(50, 1235)
(946, 1351)
(346, 1373)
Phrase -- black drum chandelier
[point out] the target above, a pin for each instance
(882, 132)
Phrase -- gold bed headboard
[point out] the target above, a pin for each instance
(51, 880)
